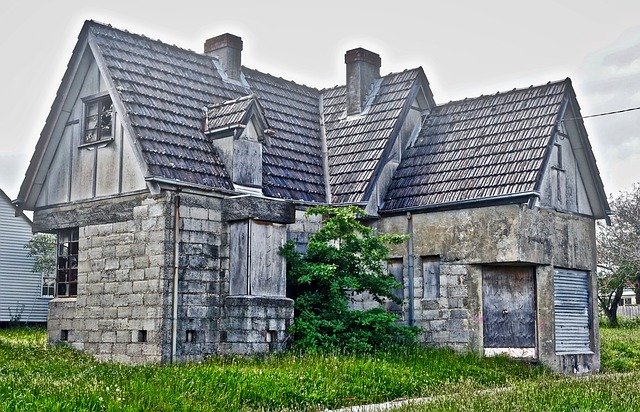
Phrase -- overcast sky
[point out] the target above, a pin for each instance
(466, 48)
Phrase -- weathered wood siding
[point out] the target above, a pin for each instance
(256, 267)
(563, 187)
(21, 291)
(80, 173)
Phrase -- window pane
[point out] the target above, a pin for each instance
(90, 136)
(92, 108)
(73, 289)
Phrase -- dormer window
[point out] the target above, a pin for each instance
(97, 119)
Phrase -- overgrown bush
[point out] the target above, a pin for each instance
(343, 258)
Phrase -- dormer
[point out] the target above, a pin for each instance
(239, 129)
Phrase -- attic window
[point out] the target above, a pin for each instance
(97, 119)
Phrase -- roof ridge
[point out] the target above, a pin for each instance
(282, 79)
(173, 46)
(416, 69)
(505, 93)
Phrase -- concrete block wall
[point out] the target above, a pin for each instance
(203, 265)
(119, 313)
(255, 324)
(445, 320)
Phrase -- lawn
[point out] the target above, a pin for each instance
(34, 377)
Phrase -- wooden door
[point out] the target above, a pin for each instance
(509, 312)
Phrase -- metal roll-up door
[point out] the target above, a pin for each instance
(571, 302)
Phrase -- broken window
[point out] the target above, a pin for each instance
(67, 263)
(431, 277)
(98, 119)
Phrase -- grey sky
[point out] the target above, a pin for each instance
(467, 48)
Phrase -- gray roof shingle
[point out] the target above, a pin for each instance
(227, 114)
(164, 89)
(486, 147)
(356, 143)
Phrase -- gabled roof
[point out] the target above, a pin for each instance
(18, 213)
(488, 147)
(233, 114)
(163, 89)
(356, 143)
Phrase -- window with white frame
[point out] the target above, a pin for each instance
(48, 285)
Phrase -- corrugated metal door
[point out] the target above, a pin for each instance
(571, 303)
(509, 314)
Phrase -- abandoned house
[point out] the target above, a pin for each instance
(172, 177)
(25, 294)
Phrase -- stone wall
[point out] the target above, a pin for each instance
(119, 312)
(203, 266)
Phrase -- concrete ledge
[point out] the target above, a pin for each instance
(260, 208)
(264, 301)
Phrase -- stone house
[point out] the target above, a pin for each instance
(172, 178)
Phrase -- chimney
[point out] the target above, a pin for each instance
(363, 68)
(228, 49)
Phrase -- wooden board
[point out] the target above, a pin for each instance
(509, 313)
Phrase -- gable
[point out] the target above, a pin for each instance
(68, 169)
(570, 180)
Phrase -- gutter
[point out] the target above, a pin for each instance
(410, 269)
(176, 270)
(325, 151)
(459, 204)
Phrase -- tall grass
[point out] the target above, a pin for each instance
(34, 377)
(620, 346)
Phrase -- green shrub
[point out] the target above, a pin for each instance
(343, 258)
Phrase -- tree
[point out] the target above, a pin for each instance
(42, 247)
(619, 253)
(343, 258)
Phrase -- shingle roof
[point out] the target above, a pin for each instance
(163, 89)
(356, 143)
(292, 161)
(227, 114)
(478, 148)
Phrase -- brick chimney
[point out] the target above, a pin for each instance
(228, 49)
(363, 68)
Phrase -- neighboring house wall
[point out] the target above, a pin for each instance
(472, 243)
(21, 292)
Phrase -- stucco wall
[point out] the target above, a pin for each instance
(467, 240)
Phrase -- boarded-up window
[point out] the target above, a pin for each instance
(395, 268)
(256, 267)
(431, 277)
(571, 304)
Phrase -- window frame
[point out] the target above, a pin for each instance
(67, 273)
(86, 101)
(48, 280)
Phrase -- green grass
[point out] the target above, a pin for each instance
(34, 377)
(603, 393)
(620, 347)
(609, 391)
